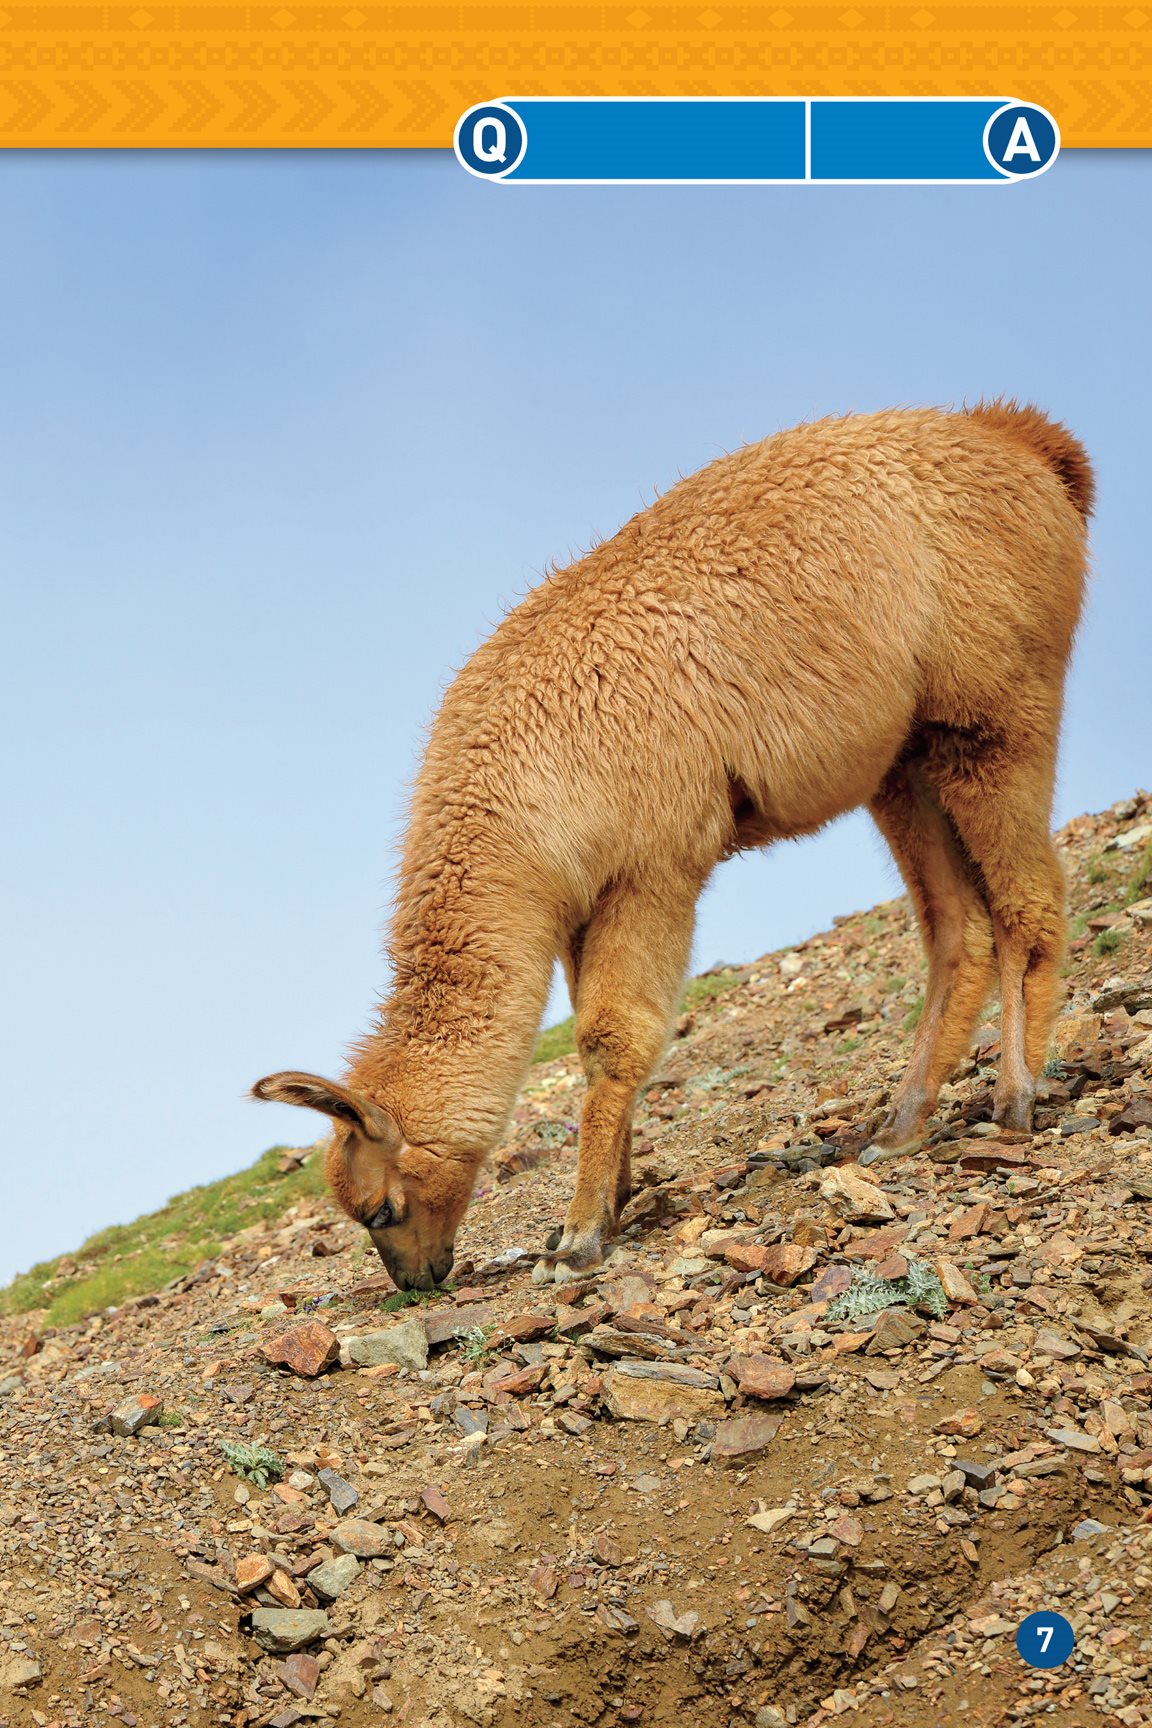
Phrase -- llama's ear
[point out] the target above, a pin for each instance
(330, 1099)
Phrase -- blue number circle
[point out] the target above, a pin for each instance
(1045, 1640)
(1021, 140)
(490, 140)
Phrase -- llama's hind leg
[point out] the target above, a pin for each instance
(632, 964)
(957, 934)
(999, 804)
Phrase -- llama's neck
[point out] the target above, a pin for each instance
(472, 945)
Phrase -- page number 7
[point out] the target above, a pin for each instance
(1045, 1639)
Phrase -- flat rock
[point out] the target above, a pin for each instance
(341, 1495)
(1073, 1439)
(405, 1345)
(746, 1256)
(975, 1474)
(967, 1423)
(16, 1671)
(507, 1380)
(849, 1193)
(575, 1322)
(282, 1589)
(445, 1325)
(308, 1350)
(301, 1674)
(767, 1522)
(676, 1373)
(784, 1262)
(743, 1438)
(833, 1281)
(252, 1571)
(332, 1577)
(361, 1537)
(135, 1413)
(673, 1625)
(761, 1377)
(436, 1503)
(895, 1328)
(525, 1328)
(956, 1286)
(611, 1341)
(283, 1630)
(990, 1157)
(633, 1397)
(1048, 1343)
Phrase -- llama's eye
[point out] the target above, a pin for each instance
(382, 1218)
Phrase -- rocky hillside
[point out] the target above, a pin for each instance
(812, 1444)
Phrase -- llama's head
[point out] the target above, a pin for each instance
(410, 1199)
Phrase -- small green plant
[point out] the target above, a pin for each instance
(1142, 879)
(170, 1419)
(847, 1045)
(555, 1133)
(912, 1019)
(255, 1463)
(1108, 941)
(706, 989)
(868, 1294)
(474, 1346)
(411, 1298)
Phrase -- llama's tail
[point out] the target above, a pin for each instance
(1064, 454)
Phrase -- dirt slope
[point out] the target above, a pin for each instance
(701, 1485)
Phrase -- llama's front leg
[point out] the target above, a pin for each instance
(603, 1181)
(632, 964)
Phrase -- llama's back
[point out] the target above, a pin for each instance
(778, 621)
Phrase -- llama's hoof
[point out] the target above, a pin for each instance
(1015, 1113)
(552, 1269)
(875, 1154)
(573, 1254)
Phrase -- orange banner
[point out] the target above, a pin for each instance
(336, 76)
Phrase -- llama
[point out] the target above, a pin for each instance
(874, 610)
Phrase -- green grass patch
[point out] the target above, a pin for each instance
(411, 1298)
(133, 1259)
(556, 1041)
(912, 1019)
(699, 990)
(1141, 881)
(1107, 942)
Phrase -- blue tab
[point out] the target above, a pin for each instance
(902, 140)
(783, 140)
(661, 140)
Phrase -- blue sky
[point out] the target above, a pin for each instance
(281, 435)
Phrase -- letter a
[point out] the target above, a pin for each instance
(1021, 143)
